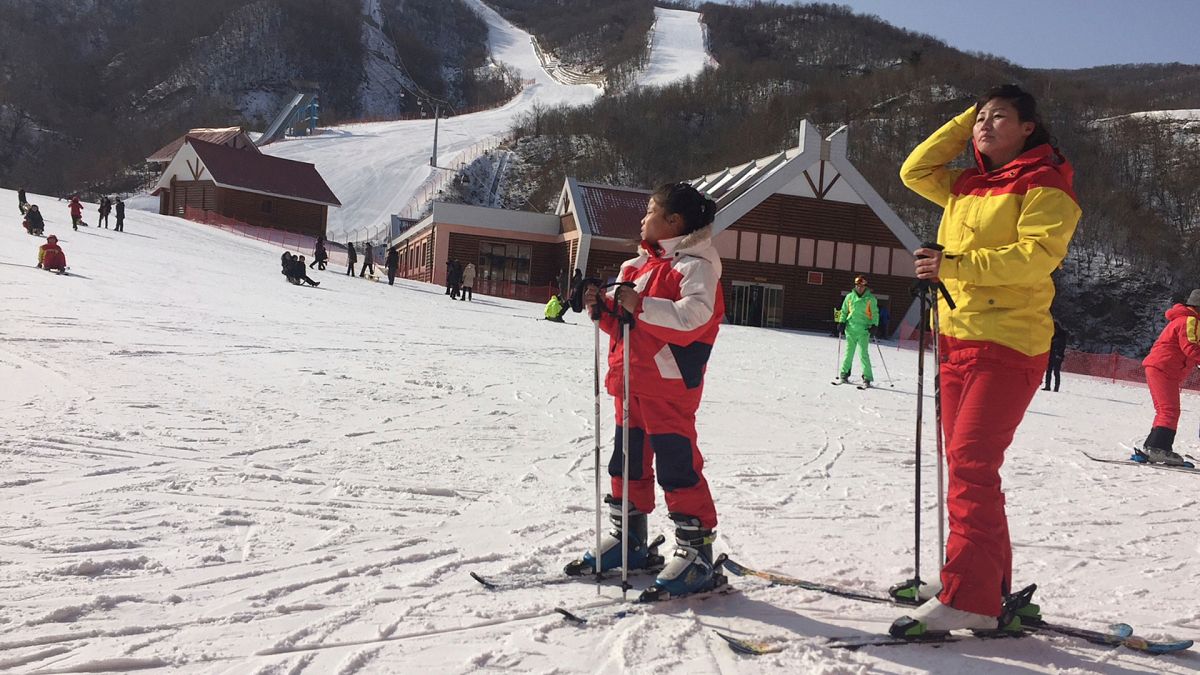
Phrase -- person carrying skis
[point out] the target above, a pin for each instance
(1175, 354)
(76, 213)
(51, 256)
(1007, 224)
(859, 319)
(676, 305)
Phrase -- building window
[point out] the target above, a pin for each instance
(505, 262)
(265, 207)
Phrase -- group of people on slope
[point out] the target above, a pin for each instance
(295, 269)
(105, 207)
(1007, 222)
(460, 280)
(50, 254)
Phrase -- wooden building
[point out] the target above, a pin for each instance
(233, 137)
(247, 186)
(793, 230)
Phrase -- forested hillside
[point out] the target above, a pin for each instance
(89, 88)
(1137, 178)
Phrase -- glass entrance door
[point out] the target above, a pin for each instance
(757, 305)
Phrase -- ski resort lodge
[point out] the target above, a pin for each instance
(225, 174)
(793, 230)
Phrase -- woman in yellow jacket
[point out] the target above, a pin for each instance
(1006, 226)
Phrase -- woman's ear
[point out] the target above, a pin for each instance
(677, 222)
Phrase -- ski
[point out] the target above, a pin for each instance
(506, 581)
(720, 587)
(1191, 468)
(635, 607)
(1119, 635)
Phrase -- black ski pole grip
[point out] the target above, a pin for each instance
(941, 287)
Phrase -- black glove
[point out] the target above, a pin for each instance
(873, 330)
(841, 329)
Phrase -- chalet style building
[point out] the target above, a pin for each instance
(793, 230)
(243, 184)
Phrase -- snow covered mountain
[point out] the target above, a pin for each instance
(207, 470)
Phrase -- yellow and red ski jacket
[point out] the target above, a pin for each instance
(1004, 232)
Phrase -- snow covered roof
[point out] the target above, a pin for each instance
(248, 171)
(233, 137)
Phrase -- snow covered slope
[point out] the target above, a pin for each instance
(676, 48)
(375, 169)
(204, 469)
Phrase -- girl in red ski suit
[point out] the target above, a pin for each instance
(1175, 353)
(676, 306)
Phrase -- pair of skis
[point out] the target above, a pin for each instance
(1121, 635)
(1190, 467)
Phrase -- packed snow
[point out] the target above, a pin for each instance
(676, 48)
(208, 470)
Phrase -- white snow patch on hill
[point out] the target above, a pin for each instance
(676, 49)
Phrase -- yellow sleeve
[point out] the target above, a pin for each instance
(925, 172)
(1044, 230)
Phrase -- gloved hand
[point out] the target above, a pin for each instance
(873, 330)
(841, 328)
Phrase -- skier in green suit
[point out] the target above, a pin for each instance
(859, 320)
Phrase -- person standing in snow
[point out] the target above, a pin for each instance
(392, 263)
(1175, 354)
(104, 209)
(1007, 224)
(51, 256)
(76, 213)
(456, 275)
(320, 255)
(859, 320)
(676, 304)
(451, 268)
(120, 227)
(468, 282)
(1058, 352)
(368, 260)
(352, 257)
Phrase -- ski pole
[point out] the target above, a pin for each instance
(625, 458)
(596, 452)
(841, 334)
(922, 334)
(934, 290)
(879, 349)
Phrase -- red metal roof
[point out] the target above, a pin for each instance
(225, 136)
(257, 172)
(614, 212)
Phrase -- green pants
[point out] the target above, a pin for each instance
(854, 340)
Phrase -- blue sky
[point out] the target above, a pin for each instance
(1053, 33)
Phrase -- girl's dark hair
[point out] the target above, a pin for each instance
(684, 199)
(1027, 111)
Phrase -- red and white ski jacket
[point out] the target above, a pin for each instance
(680, 309)
(1177, 350)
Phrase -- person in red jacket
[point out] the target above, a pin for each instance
(76, 213)
(1175, 353)
(673, 296)
(50, 256)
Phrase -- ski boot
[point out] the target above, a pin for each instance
(1159, 449)
(1020, 608)
(843, 378)
(914, 591)
(691, 568)
(866, 383)
(642, 554)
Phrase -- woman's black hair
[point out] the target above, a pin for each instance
(696, 210)
(1027, 111)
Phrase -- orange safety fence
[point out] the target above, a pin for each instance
(1112, 367)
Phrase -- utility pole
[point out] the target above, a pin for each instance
(436, 119)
